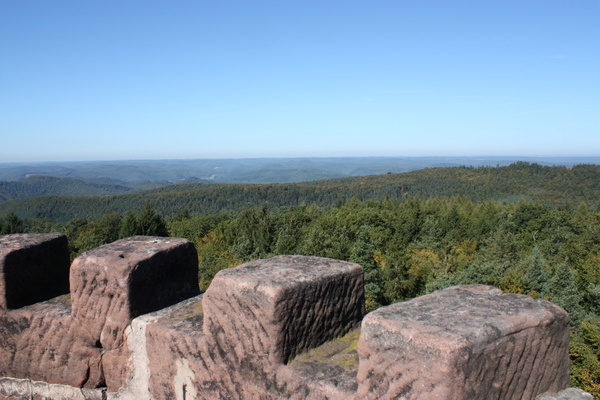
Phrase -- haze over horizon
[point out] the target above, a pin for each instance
(131, 80)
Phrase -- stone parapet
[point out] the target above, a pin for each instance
(79, 339)
(289, 327)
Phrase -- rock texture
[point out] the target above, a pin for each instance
(40, 342)
(115, 283)
(466, 342)
(33, 268)
(567, 394)
(291, 302)
(25, 389)
(79, 340)
(253, 319)
(325, 372)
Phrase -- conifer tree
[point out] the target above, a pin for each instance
(363, 253)
(561, 289)
(129, 227)
(150, 223)
(12, 224)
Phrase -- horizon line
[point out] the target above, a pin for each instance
(482, 156)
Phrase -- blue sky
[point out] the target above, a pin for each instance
(108, 79)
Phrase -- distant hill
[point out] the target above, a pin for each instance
(259, 170)
(557, 185)
(37, 185)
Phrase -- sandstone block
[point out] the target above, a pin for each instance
(466, 342)
(114, 283)
(33, 268)
(117, 282)
(179, 361)
(275, 308)
(259, 315)
(40, 342)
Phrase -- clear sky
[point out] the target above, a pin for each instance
(121, 79)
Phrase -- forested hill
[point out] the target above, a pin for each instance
(39, 185)
(519, 181)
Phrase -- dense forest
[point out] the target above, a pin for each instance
(504, 184)
(39, 185)
(524, 228)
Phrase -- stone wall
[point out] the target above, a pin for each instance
(135, 326)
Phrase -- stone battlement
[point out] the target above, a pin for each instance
(127, 321)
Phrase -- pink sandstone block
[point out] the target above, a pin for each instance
(114, 283)
(179, 362)
(41, 343)
(37, 338)
(278, 307)
(464, 343)
(229, 342)
(33, 268)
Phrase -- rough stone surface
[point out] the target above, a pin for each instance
(291, 303)
(466, 342)
(40, 342)
(181, 365)
(325, 372)
(567, 394)
(26, 389)
(33, 268)
(79, 340)
(253, 318)
(114, 283)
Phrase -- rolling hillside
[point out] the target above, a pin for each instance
(38, 185)
(519, 181)
(256, 170)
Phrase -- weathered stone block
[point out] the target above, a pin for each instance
(114, 283)
(40, 342)
(260, 314)
(33, 268)
(278, 307)
(179, 361)
(467, 342)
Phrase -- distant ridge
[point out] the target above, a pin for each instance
(258, 170)
(39, 185)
